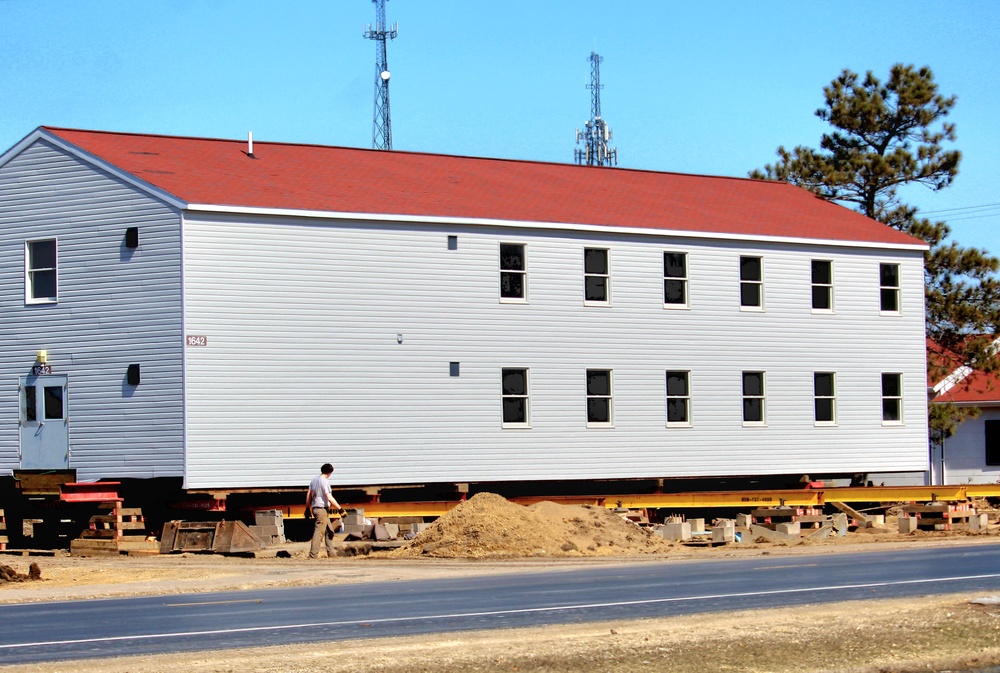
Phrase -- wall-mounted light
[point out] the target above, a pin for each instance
(132, 237)
(133, 375)
(42, 357)
(399, 338)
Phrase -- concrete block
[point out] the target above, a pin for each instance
(820, 533)
(979, 522)
(744, 521)
(269, 516)
(676, 531)
(789, 528)
(840, 523)
(354, 516)
(877, 520)
(265, 531)
(379, 532)
(697, 525)
(392, 529)
(907, 524)
(724, 531)
(768, 534)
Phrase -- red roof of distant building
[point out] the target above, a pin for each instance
(345, 180)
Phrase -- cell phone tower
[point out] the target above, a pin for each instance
(381, 127)
(596, 133)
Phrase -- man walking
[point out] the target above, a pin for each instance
(319, 501)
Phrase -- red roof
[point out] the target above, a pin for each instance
(345, 180)
(977, 388)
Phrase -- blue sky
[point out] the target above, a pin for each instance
(710, 88)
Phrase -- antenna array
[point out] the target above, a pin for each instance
(381, 126)
(596, 133)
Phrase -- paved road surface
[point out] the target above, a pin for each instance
(99, 628)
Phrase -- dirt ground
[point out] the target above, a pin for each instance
(942, 633)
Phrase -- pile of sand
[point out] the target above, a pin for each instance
(489, 526)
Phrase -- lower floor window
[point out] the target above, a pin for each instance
(753, 397)
(678, 398)
(992, 442)
(599, 407)
(892, 398)
(514, 394)
(824, 397)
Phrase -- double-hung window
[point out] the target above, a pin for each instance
(822, 285)
(751, 283)
(513, 272)
(892, 399)
(514, 397)
(600, 409)
(754, 412)
(678, 398)
(675, 280)
(888, 275)
(596, 276)
(40, 271)
(825, 398)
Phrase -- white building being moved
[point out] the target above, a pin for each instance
(182, 307)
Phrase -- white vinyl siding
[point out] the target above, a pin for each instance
(116, 307)
(288, 303)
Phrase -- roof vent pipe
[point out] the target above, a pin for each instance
(250, 145)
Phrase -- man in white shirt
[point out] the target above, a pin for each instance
(319, 501)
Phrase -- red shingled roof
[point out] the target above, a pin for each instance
(346, 180)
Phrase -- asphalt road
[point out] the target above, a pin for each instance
(36, 632)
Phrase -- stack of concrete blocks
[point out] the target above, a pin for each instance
(724, 531)
(356, 526)
(269, 526)
(979, 522)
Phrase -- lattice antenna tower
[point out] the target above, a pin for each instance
(381, 126)
(596, 133)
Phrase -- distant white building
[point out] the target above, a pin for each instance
(181, 307)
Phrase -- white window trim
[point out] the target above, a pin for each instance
(28, 299)
(678, 424)
(610, 397)
(831, 285)
(763, 397)
(524, 273)
(898, 287)
(526, 425)
(883, 397)
(760, 283)
(834, 422)
(606, 276)
(686, 306)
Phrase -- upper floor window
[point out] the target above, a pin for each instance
(992, 442)
(678, 398)
(822, 285)
(675, 280)
(888, 288)
(599, 399)
(513, 272)
(753, 398)
(751, 282)
(892, 399)
(40, 271)
(514, 396)
(825, 398)
(596, 276)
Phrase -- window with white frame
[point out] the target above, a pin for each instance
(40, 271)
(825, 398)
(822, 285)
(892, 398)
(751, 283)
(513, 272)
(596, 276)
(599, 398)
(675, 279)
(753, 398)
(514, 396)
(678, 397)
(888, 275)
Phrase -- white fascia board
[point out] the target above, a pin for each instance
(424, 219)
(83, 155)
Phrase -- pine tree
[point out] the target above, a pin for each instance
(888, 135)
